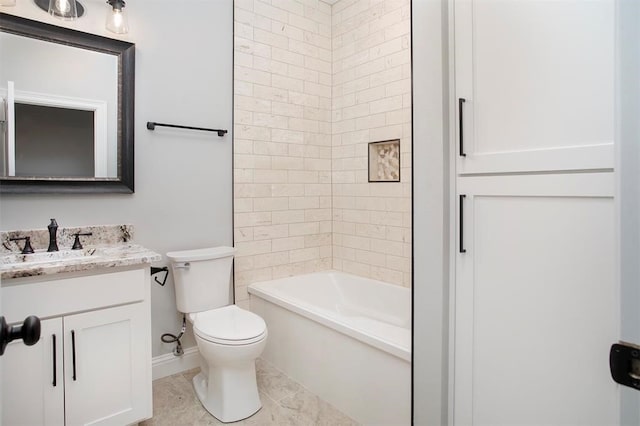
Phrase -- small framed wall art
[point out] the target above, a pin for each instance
(384, 161)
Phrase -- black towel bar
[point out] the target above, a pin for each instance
(151, 125)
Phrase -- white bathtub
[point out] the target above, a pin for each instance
(345, 338)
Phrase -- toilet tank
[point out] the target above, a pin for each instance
(202, 278)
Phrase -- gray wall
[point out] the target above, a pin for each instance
(430, 213)
(183, 179)
(628, 134)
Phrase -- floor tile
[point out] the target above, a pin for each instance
(284, 403)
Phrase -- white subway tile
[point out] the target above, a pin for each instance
(292, 6)
(301, 203)
(303, 176)
(303, 23)
(289, 270)
(243, 175)
(355, 268)
(289, 83)
(270, 259)
(252, 75)
(242, 88)
(269, 65)
(302, 255)
(243, 205)
(251, 190)
(270, 232)
(267, 95)
(303, 74)
(286, 163)
(370, 258)
(270, 39)
(251, 103)
(285, 244)
(270, 204)
(243, 234)
(271, 176)
(288, 136)
(248, 248)
(264, 9)
(244, 278)
(287, 30)
(244, 161)
(287, 216)
(287, 190)
(286, 56)
(304, 228)
(252, 219)
(316, 215)
(243, 31)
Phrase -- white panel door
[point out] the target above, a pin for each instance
(537, 305)
(106, 366)
(537, 79)
(33, 380)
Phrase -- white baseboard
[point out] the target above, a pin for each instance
(169, 364)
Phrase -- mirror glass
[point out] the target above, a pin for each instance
(68, 110)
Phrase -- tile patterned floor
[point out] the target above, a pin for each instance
(284, 402)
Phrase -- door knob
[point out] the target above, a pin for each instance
(28, 331)
(624, 361)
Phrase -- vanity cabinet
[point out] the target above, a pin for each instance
(33, 388)
(92, 364)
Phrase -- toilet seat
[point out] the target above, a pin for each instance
(229, 325)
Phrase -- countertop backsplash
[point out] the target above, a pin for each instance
(102, 235)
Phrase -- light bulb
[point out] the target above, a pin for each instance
(117, 19)
(63, 9)
(63, 6)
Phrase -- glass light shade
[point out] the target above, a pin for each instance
(117, 21)
(7, 2)
(63, 9)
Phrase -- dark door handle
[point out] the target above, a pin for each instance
(28, 331)
(624, 362)
(55, 373)
(461, 221)
(73, 353)
(461, 102)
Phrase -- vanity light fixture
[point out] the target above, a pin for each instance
(67, 10)
(116, 18)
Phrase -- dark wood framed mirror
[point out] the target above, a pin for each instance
(40, 159)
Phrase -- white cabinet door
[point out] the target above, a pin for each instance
(536, 301)
(107, 366)
(537, 79)
(33, 380)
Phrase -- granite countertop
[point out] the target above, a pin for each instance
(108, 247)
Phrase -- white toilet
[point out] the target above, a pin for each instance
(229, 338)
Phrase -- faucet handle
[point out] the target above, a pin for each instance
(27, 244)
(77, 245)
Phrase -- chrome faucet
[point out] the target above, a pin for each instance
(53, 230)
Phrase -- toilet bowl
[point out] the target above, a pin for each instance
(229, 341)
(229, 338)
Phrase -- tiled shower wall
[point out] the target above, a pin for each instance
(371, 102)
(282, 145)
(313, 85)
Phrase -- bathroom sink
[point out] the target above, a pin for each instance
(62, 256)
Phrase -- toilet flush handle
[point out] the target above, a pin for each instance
(182, 265)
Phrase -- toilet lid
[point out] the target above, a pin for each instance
(230, 325)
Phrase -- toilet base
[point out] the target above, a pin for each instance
(229, 394)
